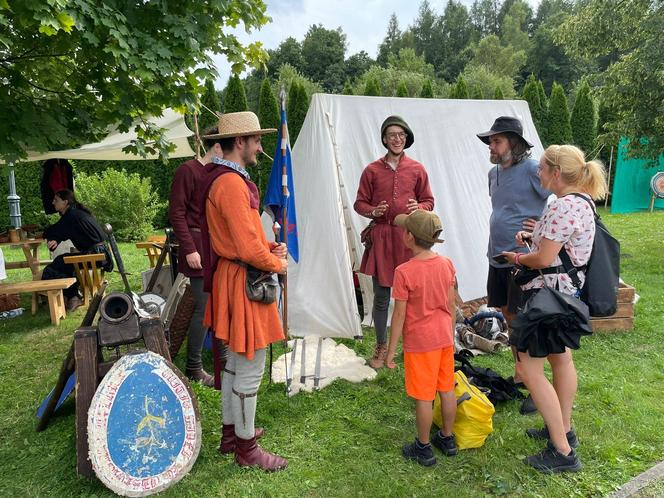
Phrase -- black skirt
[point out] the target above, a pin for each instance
(549, 322)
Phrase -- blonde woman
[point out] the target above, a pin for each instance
(568, 222)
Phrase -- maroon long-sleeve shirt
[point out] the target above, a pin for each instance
(379, 182)
(184, 212)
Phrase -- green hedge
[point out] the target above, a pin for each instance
(125, 200)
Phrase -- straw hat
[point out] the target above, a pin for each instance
(239, 124)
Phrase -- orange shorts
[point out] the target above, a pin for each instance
(427, 373)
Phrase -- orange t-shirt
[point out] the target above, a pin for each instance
(425, 285)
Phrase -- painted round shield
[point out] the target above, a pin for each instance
(144, 431)
(657, 184)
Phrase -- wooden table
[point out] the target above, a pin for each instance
(31, 251)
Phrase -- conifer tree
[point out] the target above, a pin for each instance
(291, 103)
(298, 103)
(476, 93)
(544, 101)
(530, 93)
(498, 94)
(348, 89)
(211, 100)
(402, 89)
(235, 98)
(206, 119)
(461, 88)
(584, 119)
(269, 117)
(544, 111)
(372, 88)
(427, 90)
(558, 129)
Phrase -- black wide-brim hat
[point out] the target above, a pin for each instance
(504, 124)
(401, 122)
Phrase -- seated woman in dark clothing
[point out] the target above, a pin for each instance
(77, 224)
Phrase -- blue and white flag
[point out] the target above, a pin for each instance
(279, 198)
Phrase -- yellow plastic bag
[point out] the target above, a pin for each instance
(474, 416)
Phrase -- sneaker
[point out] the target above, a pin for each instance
(518, 385)
(528, 406)
(422, 454)
(446, 444)
(550, 460)
(543, 433)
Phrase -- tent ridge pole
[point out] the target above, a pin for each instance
(351, 241)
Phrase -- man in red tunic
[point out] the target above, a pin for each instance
(184, 211)
(394, 184)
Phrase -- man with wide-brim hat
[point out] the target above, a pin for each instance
(233, 240)
(517, 200)
(393, 184)
(184, 212)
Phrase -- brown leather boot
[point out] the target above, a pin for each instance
(249, 454)
(199, 374)
(378, 360)
(227, 444)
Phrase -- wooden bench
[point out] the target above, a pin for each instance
(15, 265)
(52, 289)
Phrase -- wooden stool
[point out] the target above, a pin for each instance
(89, 276)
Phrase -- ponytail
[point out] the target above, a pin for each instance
(588, 177)
(594, 180)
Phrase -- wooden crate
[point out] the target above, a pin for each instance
(623, 318)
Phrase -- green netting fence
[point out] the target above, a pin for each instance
(631, 185)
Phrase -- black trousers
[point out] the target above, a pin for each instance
(59, 269)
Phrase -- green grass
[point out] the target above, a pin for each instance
(346, 439)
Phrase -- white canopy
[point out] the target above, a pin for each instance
(339, 137)
(110, 148)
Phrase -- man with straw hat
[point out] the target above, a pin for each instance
(233, 238)
(392, 185)
(184, 213)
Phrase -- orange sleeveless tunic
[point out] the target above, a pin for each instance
(236, 233)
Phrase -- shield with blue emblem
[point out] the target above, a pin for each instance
(144, 431)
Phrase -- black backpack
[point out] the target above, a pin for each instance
(600, 290)
(496, 387)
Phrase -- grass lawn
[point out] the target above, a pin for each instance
(346, 439)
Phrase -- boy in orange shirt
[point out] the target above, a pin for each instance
(423, 312)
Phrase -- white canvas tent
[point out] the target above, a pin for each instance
(339, 137)
(110, 148)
